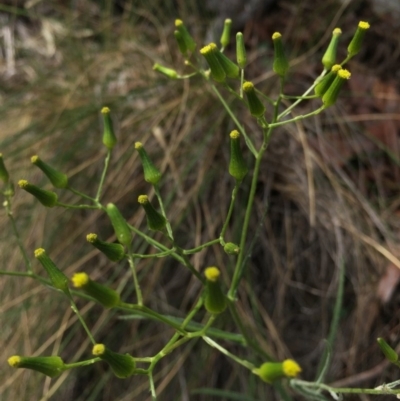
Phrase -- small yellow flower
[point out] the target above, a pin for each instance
(212, 273)
(291, 368)
(79, 280)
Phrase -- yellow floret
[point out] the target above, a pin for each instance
(291, 368)
(212, 273)
(80, 279)
(345, 74)
(39, 252)
(98, 349)
(91, 238)
(142, 199)
(14, 361)
(22, 183)
(234, 134)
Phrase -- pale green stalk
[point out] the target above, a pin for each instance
(81, 363)
(83, 323)
(7, 205)
(335, 319)
(224, 351)
(296, 383)
(103, 175)
(291, 107)
(235, 120)
(160, 201)
(229, 214)
(201, 247)
(135, 278)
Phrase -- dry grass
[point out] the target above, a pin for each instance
(326, 196)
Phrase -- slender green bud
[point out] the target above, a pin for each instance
(150, 171)
(226, 33)
(215, 300)
(281, 64)
(169, 72)
(48, 365)
(181, 43)
(237, 165)
(327, 80)
(329, 58)
(3, 171)
(122, 365)
(388, 351)
(46, 198)
(231, 249)
(109, 138)
(355, 44)
(57, 277)
(102, 294)
(122, 231)
(271, 371)
(331, 95)
(256, 107)
(210, 54)
(230, 68)
(114, 252)
(187, 38)
(58, 179)
(155, 220)
(241, 57)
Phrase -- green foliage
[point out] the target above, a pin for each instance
(268, 114)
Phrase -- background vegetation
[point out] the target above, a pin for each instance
(329, 192)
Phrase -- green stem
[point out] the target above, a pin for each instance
(152, 314)
(341, 390)
(17, 236)
(21, 274)
(335, 321)
(235, 120)
(81, 363)
(156, 244)
(224, 351)
(201, 247)
(76, 311)
(241, 82)
(239, 268)
(297, 118)
(230, 210)
(154, 255)
(135, 279)
(290, 108)
(103, 175)
(160, 201)
(152, 387)
(76, 192)
(67, 206)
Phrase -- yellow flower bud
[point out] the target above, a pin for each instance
(109, 138)
(215, 300)
(150, 171)
(46, 198)
(355, 44)
(48, 365)
(102, 294)
(155, 220)
(57, 277)
(122, 365)
(257, 109)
